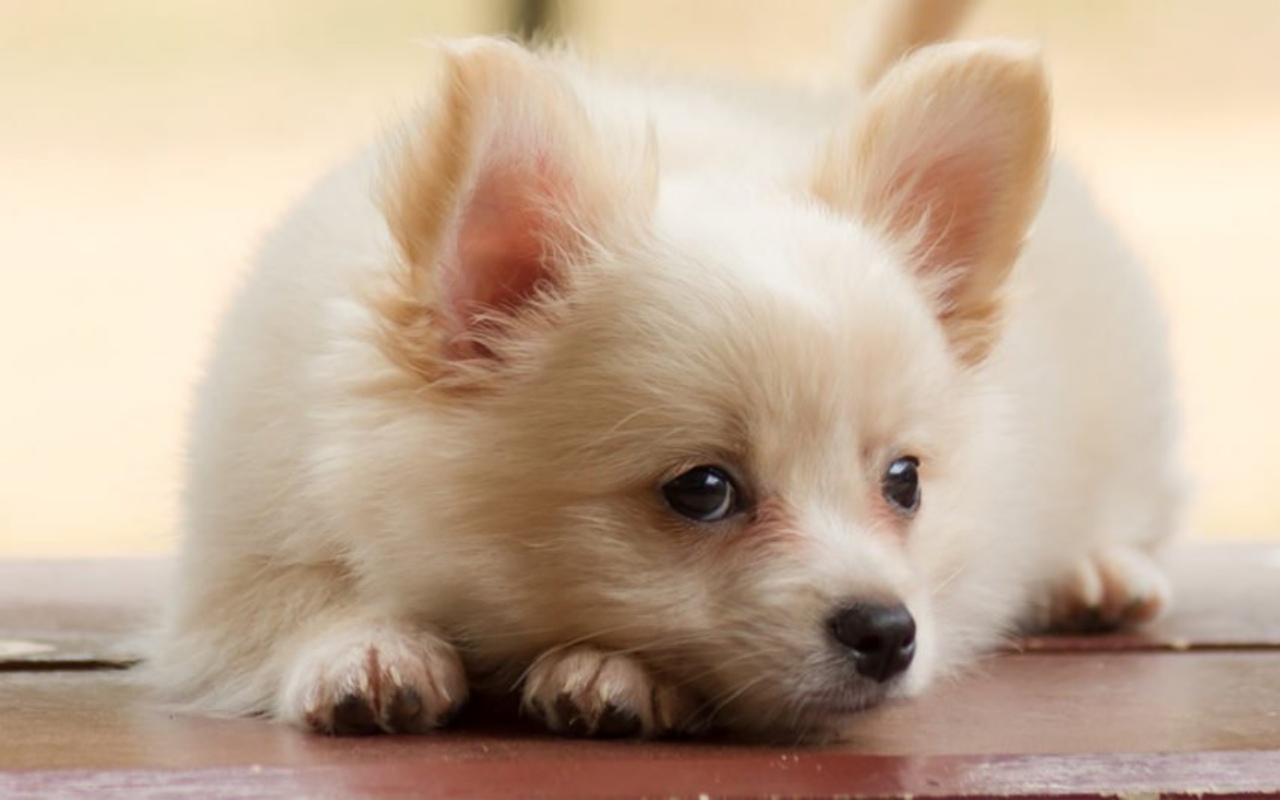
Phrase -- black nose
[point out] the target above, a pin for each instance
(881, 638)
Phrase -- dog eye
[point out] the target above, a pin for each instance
(901, 484)
(703, 494)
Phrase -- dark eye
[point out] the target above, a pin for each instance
(901, 484)
(703, 494)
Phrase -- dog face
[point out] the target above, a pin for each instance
(718, 454)
(722, 427)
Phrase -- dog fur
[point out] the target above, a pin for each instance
(429, 450)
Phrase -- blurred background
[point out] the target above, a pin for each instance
(146, 145)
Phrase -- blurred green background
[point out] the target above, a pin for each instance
(145, 146)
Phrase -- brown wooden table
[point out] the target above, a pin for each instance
(1189, 707)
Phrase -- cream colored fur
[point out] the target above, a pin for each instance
(412, 472)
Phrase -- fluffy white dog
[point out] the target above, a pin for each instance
(669, 406)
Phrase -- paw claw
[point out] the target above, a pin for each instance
(366, 681)
(583, 691)
(570, 718)
(353, 716)
(1112, 588)
(405, 712)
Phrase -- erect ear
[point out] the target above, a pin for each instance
(948, 161)
(493, 203)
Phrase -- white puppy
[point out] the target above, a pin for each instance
(669, 407)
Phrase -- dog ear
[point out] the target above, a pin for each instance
(948, 160)
(492, 203)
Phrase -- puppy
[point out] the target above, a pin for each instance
(670, 408)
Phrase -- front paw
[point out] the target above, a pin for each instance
(584, 691)
(380, 678)
(1113, 587)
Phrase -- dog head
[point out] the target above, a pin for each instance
(723, 425)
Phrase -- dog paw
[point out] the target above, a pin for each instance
(584, 691)
(377, 679)
(1114, 587)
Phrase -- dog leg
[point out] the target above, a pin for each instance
(1113, 587)
(584, 691)
(386, 677)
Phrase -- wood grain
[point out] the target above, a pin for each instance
(1190, 707)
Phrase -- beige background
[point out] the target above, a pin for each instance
(145, 146)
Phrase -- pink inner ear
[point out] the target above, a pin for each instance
(953, 196)
(504, 231)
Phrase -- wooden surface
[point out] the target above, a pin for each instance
(1190, 707)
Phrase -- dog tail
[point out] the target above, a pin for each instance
(896, 27)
